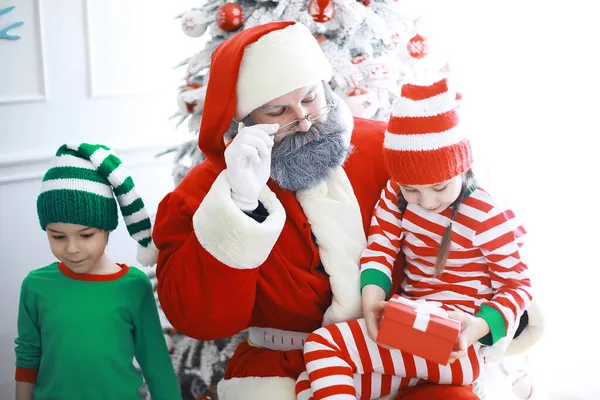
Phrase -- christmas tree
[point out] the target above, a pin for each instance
(372, 44)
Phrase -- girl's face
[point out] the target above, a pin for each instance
(434, 198)
(79, 247)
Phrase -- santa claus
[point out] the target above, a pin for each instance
(267, 233)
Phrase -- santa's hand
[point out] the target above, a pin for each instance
(248, 160)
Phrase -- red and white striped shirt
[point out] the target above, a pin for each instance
(484, 265)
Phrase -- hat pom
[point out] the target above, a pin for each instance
(147, 256)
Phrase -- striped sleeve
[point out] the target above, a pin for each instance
(383, 245)
(500, 238)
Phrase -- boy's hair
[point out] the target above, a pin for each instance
(80, 188)
(468, 184)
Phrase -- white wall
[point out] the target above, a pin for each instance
(98, 71)
(529, 75)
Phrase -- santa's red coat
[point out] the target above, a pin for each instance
(247, 273)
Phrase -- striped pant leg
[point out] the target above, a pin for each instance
(334, 354)
(366, 386)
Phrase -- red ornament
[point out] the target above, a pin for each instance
(207, 396)
(230, 17)
(320, 38)
(359, 59)
(379, 70)
(418, 47)
(394, 40)
(190, 85)
(362, 103)
(366, 2)
(321, 10)
(357, 91)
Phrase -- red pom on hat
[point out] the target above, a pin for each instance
(423, 142)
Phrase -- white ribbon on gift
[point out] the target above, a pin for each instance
(423, 309)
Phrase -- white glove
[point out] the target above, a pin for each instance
(248, 160)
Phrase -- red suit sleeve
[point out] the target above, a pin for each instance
(209, 254)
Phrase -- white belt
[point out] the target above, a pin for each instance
(276, 339)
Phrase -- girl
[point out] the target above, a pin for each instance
(461, 248)
(83, 319)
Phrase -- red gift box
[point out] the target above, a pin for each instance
(419, 327)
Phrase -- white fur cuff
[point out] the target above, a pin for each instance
(531, 334)
(231, 236)
(255, 388)
(507, 346)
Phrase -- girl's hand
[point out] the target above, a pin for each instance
(373, 303)
(373, 317)
(472, 329)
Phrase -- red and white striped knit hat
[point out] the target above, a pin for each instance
(424, 143)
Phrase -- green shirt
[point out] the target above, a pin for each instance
(80, 332)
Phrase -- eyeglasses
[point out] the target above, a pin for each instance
(312, 117)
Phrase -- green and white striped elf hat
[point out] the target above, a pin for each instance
(80, 188)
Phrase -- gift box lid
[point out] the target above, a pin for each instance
(443, 327)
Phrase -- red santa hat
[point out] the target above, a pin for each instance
(424, 143)
(252, 68)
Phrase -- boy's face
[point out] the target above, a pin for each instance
(79, 247)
